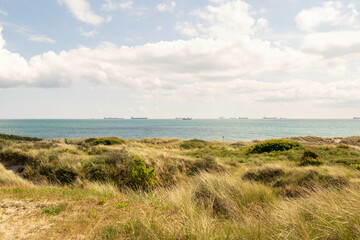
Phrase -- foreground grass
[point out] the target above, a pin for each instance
(206, 190)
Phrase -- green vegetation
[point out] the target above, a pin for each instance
(194, 143)
(311, 157)
(304, 188)
(107, 141)
(272, 145)
(52, 210)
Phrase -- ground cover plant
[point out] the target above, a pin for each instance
(108, 188)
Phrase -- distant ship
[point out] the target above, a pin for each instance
(270, 118)
(188, 118)
(357, 118)
(221, 118)
(243, 118)
(112, 118)
(138, 118)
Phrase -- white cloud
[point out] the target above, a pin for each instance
(2, 12)
(110, 5)
(41, 38)
(166, 7)
(89, 34)
(226, 20)
(333, 44)
(334, 13)
(81, 10)
(222, 58)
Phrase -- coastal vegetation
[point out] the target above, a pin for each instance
(110, 188)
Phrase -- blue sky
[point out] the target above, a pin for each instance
(168, 58)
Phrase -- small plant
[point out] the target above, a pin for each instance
(194, 143)
(356, 166)
(311, 157)
(52, 210)
(119, 205)
(109, 233)
(101, 202)
(272, 145)
(107, 141)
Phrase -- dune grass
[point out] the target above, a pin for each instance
(175, 189)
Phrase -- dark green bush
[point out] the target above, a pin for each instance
(311, 157)
(58, 174)
(194, 143)
(272, 145)
(107, 141)
(97, 172)
(65, 175)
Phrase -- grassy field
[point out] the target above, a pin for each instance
(109, 188)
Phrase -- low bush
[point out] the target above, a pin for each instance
(194, 143)
(272, 145)
(343, 146)
(129, 171)
(207, 164)
(311, 157)
(107, 141)
(264, 175)
(62, 175)
(15, 157)
(139, 176)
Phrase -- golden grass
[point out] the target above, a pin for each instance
(204, 204)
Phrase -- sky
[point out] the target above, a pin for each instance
(170, 58)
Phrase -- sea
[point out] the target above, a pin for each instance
(206, 129)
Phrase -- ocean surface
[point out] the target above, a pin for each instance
(216, 129)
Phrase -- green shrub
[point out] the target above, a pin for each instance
(139, 176)
(343, 146)
(65, 175)
(194, 143)
(97, 172)
(356, 166)
(127, 171)
(272, 145)
(311, 157)
(107, 141)
(58, 174)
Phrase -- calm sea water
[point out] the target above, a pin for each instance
(228, 130)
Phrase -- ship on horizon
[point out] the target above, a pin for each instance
(139, 118)
(357, 118)
(270, 118)
(113, 118)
